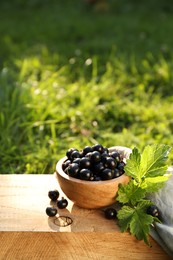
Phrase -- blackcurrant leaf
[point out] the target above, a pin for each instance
(130, 193)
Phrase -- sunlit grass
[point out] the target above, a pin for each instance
(78, 81)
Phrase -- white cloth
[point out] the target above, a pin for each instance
(163, 199)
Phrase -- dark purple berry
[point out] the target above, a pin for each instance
(51, 212)
(87, 149)
(120, 166)
(110, 163)
(75, 154)
(116, 156)
(73, 169)
(85, 163)
(117, 173)
(69, 152)
(88, 155)
(98, 167)
(95, 156)
(77, 160)
(97, 178)
(104, 156)
(110, 213)
(153, 211)
(53, 195)
(107, 174)
(62, 204)
(105, 150)
(66, 164)
(98, 148)
(85, 174)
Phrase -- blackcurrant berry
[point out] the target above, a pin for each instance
(97, 178)
(104, 156)
(85, 163)
(117, 173)
(66, 164)
(110, 213)
(69, 152)
(53, 195)
(97, 168)
(95, 156)
(116, 156)
(105, 150)
(88, 155)
(77, 160)
(75, 154)
(110, 163)
(73, 169)
(62, 204)
(120, 166)
(98, 147)
(107, 174)
(51, 212)
(87, 149)
(153, 211)
(85, 174)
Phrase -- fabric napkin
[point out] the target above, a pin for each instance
(163, 199)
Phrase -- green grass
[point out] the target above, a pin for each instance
(71, 76)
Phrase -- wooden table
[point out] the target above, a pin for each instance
(26, 232)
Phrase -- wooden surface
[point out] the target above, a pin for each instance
(26, 232)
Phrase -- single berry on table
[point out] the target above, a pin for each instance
(62, 204)
(110, 213)
(53, 195)
(51, 212)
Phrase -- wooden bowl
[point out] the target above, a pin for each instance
(91, 194)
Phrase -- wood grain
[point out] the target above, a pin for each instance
(41, 245)
(27, 233)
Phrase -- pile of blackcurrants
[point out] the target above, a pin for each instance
(93, 163)
(61, 203)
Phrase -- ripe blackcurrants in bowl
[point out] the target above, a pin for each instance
(90, 177)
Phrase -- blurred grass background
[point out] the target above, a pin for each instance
(75, 74)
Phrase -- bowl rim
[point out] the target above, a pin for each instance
(59, 171)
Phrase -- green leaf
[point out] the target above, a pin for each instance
(130, 193)
(133, 164)
(153, 160)
(153, 184)
(136, 220)
(148, 172)
(125, 215)
(140, 225)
